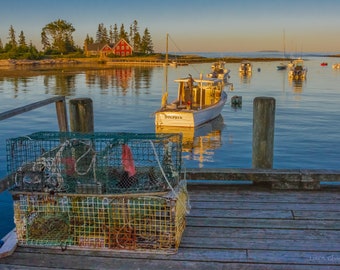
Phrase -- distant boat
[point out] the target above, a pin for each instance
(219, 71)
(245, 68)
(297, 70)
(323, 64)
(281, 66)
(336, 66)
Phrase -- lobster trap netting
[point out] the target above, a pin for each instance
(133, 222)
(96, 163)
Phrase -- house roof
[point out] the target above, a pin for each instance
(96, 46)
(120, 41)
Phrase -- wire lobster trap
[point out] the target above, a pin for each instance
(96, 163)
(129, 222)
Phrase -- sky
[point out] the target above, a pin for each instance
(193, 25)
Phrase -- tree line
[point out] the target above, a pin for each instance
(57, 39)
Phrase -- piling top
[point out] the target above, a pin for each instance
(263, 98)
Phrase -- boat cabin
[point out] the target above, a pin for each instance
(198, 93)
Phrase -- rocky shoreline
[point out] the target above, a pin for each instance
(23, 68)
(190, 59)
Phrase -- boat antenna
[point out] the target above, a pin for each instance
(165, 94)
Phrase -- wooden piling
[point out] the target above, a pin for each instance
(61, 115)
(81, 115)
(263, 132)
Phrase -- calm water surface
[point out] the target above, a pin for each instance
(307, 120)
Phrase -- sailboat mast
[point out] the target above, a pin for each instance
(284, 44)
(166, 62)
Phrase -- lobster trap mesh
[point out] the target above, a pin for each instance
(96, 163)
(115, 222)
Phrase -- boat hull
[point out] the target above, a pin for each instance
(187, 117)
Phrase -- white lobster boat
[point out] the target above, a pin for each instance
(198, 101)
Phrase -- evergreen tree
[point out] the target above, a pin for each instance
(11, 36)
(44, 41)
(22, 40)
(136, 39)
(123, 33)
(1, 46)
(115, 34)
(131, 34)
(102, 36)
(137, 42)
(111, 38)
(146, 44)
(88, 40)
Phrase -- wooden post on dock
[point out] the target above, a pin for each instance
(263, 132)
(62, 115)
(81, 115)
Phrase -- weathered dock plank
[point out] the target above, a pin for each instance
(227, 228)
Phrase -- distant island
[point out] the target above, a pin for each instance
(269, 51)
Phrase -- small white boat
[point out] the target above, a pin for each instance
(245, 68)
(219, 71)
(281, 66)
(297, 70)
(198, 101)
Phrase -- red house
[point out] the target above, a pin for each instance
(122, 48)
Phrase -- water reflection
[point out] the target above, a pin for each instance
(121, 78)
(245, 78)
(63, 81)
(297, 85)
(199, 143)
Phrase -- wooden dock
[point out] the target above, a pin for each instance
(229, 227)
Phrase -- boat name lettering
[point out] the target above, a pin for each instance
(173, 117)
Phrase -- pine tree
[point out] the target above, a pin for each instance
(136, 39)
(11, 37)
(123, 34)
(44, 41)
(146, 44)
(22, 40)
(111, 37)
(115, 34)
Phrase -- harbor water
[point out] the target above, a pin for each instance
(307, 121)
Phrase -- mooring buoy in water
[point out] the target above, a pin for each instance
(236, 101)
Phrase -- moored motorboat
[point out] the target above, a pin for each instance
(336, 66)
(198, 101)
(245, 68)
(297, 70)
(219, 71)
